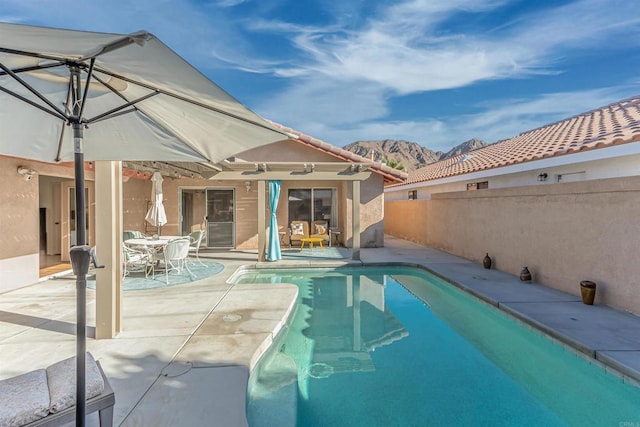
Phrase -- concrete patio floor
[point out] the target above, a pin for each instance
(186, 351)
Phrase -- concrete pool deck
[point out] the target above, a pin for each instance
(186, 351)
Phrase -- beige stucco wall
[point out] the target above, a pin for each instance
(564, 233)
(20, 202)
(19, 223)
(136, 193)
(20, 218)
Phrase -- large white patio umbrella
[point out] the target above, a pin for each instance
(134, 98)
(156, 214)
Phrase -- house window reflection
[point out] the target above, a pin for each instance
(313, 204)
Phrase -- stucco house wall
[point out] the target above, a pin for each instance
(21, 200)
(18, 224)
(20, 218)
(564, 232)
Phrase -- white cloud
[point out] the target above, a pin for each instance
(228, 3)
(494, 121)
(514, 116)
(344, 78)
(409, 49)
(313, 102)
(337, 81)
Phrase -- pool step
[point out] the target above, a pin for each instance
(273, 399)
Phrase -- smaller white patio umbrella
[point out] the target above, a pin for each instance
(156, 214)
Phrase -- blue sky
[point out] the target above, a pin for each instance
(436, 72)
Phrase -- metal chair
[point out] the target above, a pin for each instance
(132, 234)
(134, 260)
(175, 256)
(196, 238)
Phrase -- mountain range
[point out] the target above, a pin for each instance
(410, 155)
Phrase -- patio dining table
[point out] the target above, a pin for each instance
(150, 242)
(153, 246)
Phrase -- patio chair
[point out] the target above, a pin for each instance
(132, 234)
(175, 256)
(299, 230)
(320, 229)
(196, 238)
(136, 260)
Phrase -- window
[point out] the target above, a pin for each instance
(413, 194)
(313, 204)
(570, 177)
(477, 185)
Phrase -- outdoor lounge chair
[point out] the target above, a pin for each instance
(320, 229)
(46, 397)
(299, 230)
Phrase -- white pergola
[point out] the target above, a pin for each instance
(298, 171)
(109, 228)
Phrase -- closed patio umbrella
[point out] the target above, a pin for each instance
(133, 97)
(156, 214)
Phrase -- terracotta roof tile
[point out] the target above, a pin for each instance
(615, 124)
(389, 174)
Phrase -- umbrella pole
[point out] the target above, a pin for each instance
(81, 278)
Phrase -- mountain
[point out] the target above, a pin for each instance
(409, 154)
(469, 145)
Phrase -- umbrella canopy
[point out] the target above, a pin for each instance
(156, 215)
(143, 102)
(134, 98)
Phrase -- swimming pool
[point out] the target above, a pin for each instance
(399, 346)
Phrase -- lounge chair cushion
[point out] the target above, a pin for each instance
(19, 408)
(297, 229)
(62, 382)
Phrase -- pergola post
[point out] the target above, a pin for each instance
(355, 209)
(262, 211)
(108, 186)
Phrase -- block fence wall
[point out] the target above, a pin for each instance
(564, 233)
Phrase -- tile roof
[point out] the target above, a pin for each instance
(390, 175)
(615, 124)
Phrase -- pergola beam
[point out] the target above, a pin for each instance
(290, 176)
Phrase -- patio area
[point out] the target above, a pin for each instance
(186, 351)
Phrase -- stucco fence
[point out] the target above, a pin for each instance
(564, 233)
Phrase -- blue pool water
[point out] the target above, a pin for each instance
(400, 347)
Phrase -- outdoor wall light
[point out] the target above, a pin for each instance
(26, 173)
(543, 176)
(247, 185)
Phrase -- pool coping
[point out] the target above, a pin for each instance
(614, 359)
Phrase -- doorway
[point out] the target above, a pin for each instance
(221, 225)
(49, 199)
(213, 209)
(68, 216)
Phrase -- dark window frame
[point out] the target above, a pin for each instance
(473, 186)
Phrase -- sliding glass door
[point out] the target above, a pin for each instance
(313, 204)
(221, 224)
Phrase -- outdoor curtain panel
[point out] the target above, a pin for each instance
(273, 251)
